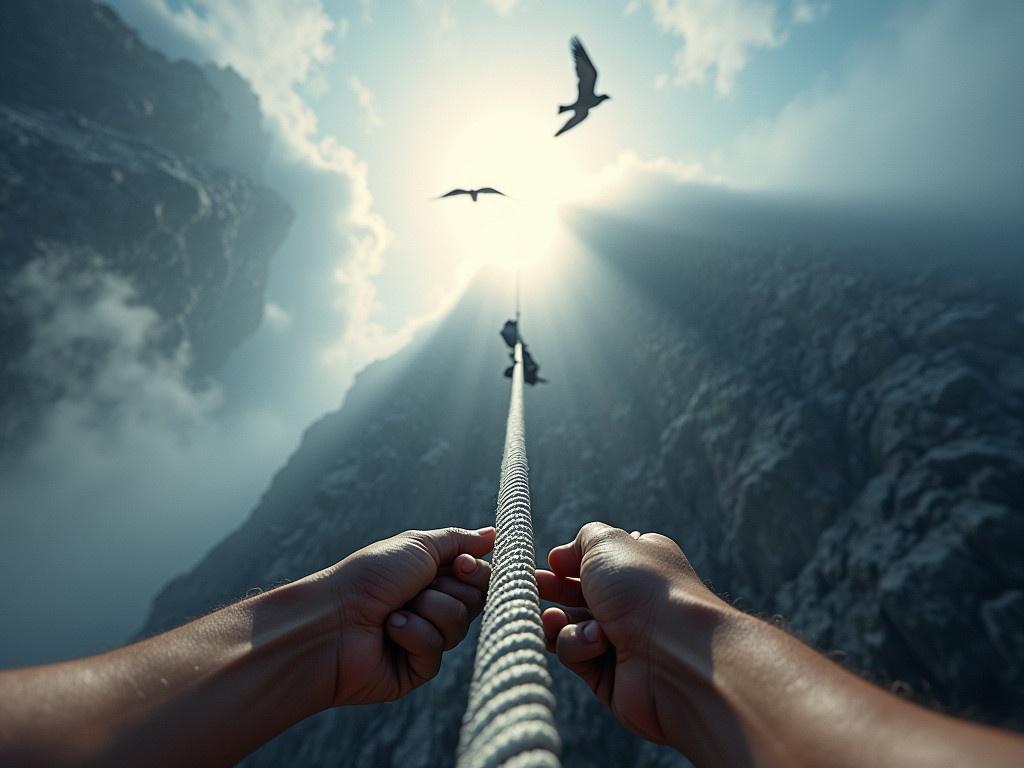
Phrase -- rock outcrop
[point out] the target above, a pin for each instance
(117, 162)
(834, 443)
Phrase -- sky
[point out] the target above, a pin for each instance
(402, 101)
(377, 108)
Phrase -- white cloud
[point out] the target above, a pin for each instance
(372, 119)
(277, 317)
(91, 340)
(609, 182)
(720, 35)
(930, 115)
(503, 7)
(274, 44)
(804, 12)
(132, 476)
(280, 47)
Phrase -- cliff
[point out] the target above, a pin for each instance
(117, 164)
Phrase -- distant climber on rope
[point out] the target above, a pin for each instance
(510, 333)
(675, 664)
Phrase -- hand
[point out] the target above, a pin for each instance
(402, 602)
(620, 591)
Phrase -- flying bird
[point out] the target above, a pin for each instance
(473, 192)
(586, 100)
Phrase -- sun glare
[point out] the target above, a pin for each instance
(513, 151)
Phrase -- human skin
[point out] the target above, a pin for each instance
(368, 629)
(679, 666)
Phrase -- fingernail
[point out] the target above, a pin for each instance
(487, 529)
(590, 630)
(467, 564)
(397, 620)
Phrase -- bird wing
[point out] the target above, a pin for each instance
(585, 70)
(455, 192)
(490, 190)
(575, 120)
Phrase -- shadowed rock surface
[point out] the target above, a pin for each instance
(830, 441)
(118, 164)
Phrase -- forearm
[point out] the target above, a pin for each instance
(757, 696)
(206, 693)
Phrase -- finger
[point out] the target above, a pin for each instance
(553, 620)
(448, 615)
(445, 544)
(578, 643)
(565, 560)
(421, 641)
(472, 571)
(469, 596)
(558, 590)
(583, 648)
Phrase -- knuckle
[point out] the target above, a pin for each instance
(597, 533)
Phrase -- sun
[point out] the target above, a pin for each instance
(512, 149)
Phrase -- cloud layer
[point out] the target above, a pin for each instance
(931, 116)
(132, 478)
(719, 35)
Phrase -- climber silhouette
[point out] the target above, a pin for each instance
(510, 333)
(473, 193)
(586, 99)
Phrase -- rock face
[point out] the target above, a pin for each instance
(78, 56)
(116, 162)
(832, 442)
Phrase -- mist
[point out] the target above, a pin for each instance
(134, 472)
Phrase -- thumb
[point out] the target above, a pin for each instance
(445, 544)
(567, 559)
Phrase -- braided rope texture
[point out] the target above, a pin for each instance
(509, 720)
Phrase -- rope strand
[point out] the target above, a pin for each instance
(509, 720)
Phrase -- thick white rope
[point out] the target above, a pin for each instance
(509, 720)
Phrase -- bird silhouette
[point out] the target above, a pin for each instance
(473, 192)
(586, 99)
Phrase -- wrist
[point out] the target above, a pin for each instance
(692, 640)
(295, 628)
(685, 632)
